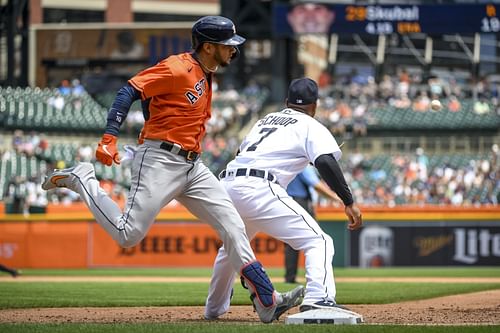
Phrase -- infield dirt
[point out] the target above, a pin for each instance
(479, 308)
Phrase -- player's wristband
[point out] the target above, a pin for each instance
(119, 109)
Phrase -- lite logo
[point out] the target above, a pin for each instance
(471, 244)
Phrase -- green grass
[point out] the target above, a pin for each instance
(106, 294)
(275, 272)
(103, 294)
(217, 328)
(155, 272)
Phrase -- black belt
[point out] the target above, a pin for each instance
(187, 154)
(252, 173)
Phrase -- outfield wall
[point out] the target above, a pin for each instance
(69, 237)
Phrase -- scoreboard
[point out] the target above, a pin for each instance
(385, 19)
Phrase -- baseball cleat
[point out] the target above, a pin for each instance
(321, 305)
(57, 178)
(62, 177)
(289, 300)
(282, 303)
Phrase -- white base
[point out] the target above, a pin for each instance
(335, 316)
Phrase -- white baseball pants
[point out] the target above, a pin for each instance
(266, 207)
(158, 177)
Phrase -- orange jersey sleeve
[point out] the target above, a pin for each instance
(153, 81)
(179, 95)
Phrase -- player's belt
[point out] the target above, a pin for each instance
(176, 149)
(249, 172)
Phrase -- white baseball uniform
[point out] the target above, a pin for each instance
(278, 147)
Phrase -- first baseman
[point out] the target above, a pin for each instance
(277, 148)
(176, 98)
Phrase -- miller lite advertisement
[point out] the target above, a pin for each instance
(379, 245)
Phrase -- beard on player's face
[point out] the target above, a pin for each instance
(223, 61)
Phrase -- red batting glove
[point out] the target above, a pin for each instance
(107, 152)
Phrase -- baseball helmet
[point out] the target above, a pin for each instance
(215, 29)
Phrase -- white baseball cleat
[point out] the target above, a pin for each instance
(66, 177)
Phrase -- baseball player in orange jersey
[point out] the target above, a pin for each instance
(176, 98)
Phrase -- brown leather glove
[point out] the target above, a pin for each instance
(107, 152)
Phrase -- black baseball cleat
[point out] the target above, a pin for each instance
(321, 305)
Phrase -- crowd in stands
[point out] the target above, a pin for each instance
(411, 179)
(67, 92)
(346, 105)
(406, 179)
(21, 191)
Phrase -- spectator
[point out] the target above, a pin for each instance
(422, 164)
(16, 195)
(345, 119)
(386, 88)
(56, 101)
(481, 106)
(454, 104)
(76, 88)
(403, 86)
(325, 79)
(370, 89)
(401, 102)
(36, 198)
(422, 103)
(359, 120)
(435, 87)
(18, 140)
(65, 88)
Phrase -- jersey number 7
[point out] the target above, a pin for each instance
(266, 131)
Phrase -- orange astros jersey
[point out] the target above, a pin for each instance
(180, 101)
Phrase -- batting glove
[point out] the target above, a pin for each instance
(107, 152)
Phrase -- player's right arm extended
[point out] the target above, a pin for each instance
(330, 171)
(107, 151)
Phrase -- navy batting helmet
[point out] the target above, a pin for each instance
(215, 29)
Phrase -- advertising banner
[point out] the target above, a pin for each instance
(175, 244)
(425, 245)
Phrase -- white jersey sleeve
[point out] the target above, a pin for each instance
(320, 141)
(284, 143)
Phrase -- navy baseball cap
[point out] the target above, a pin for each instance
(302, 91)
